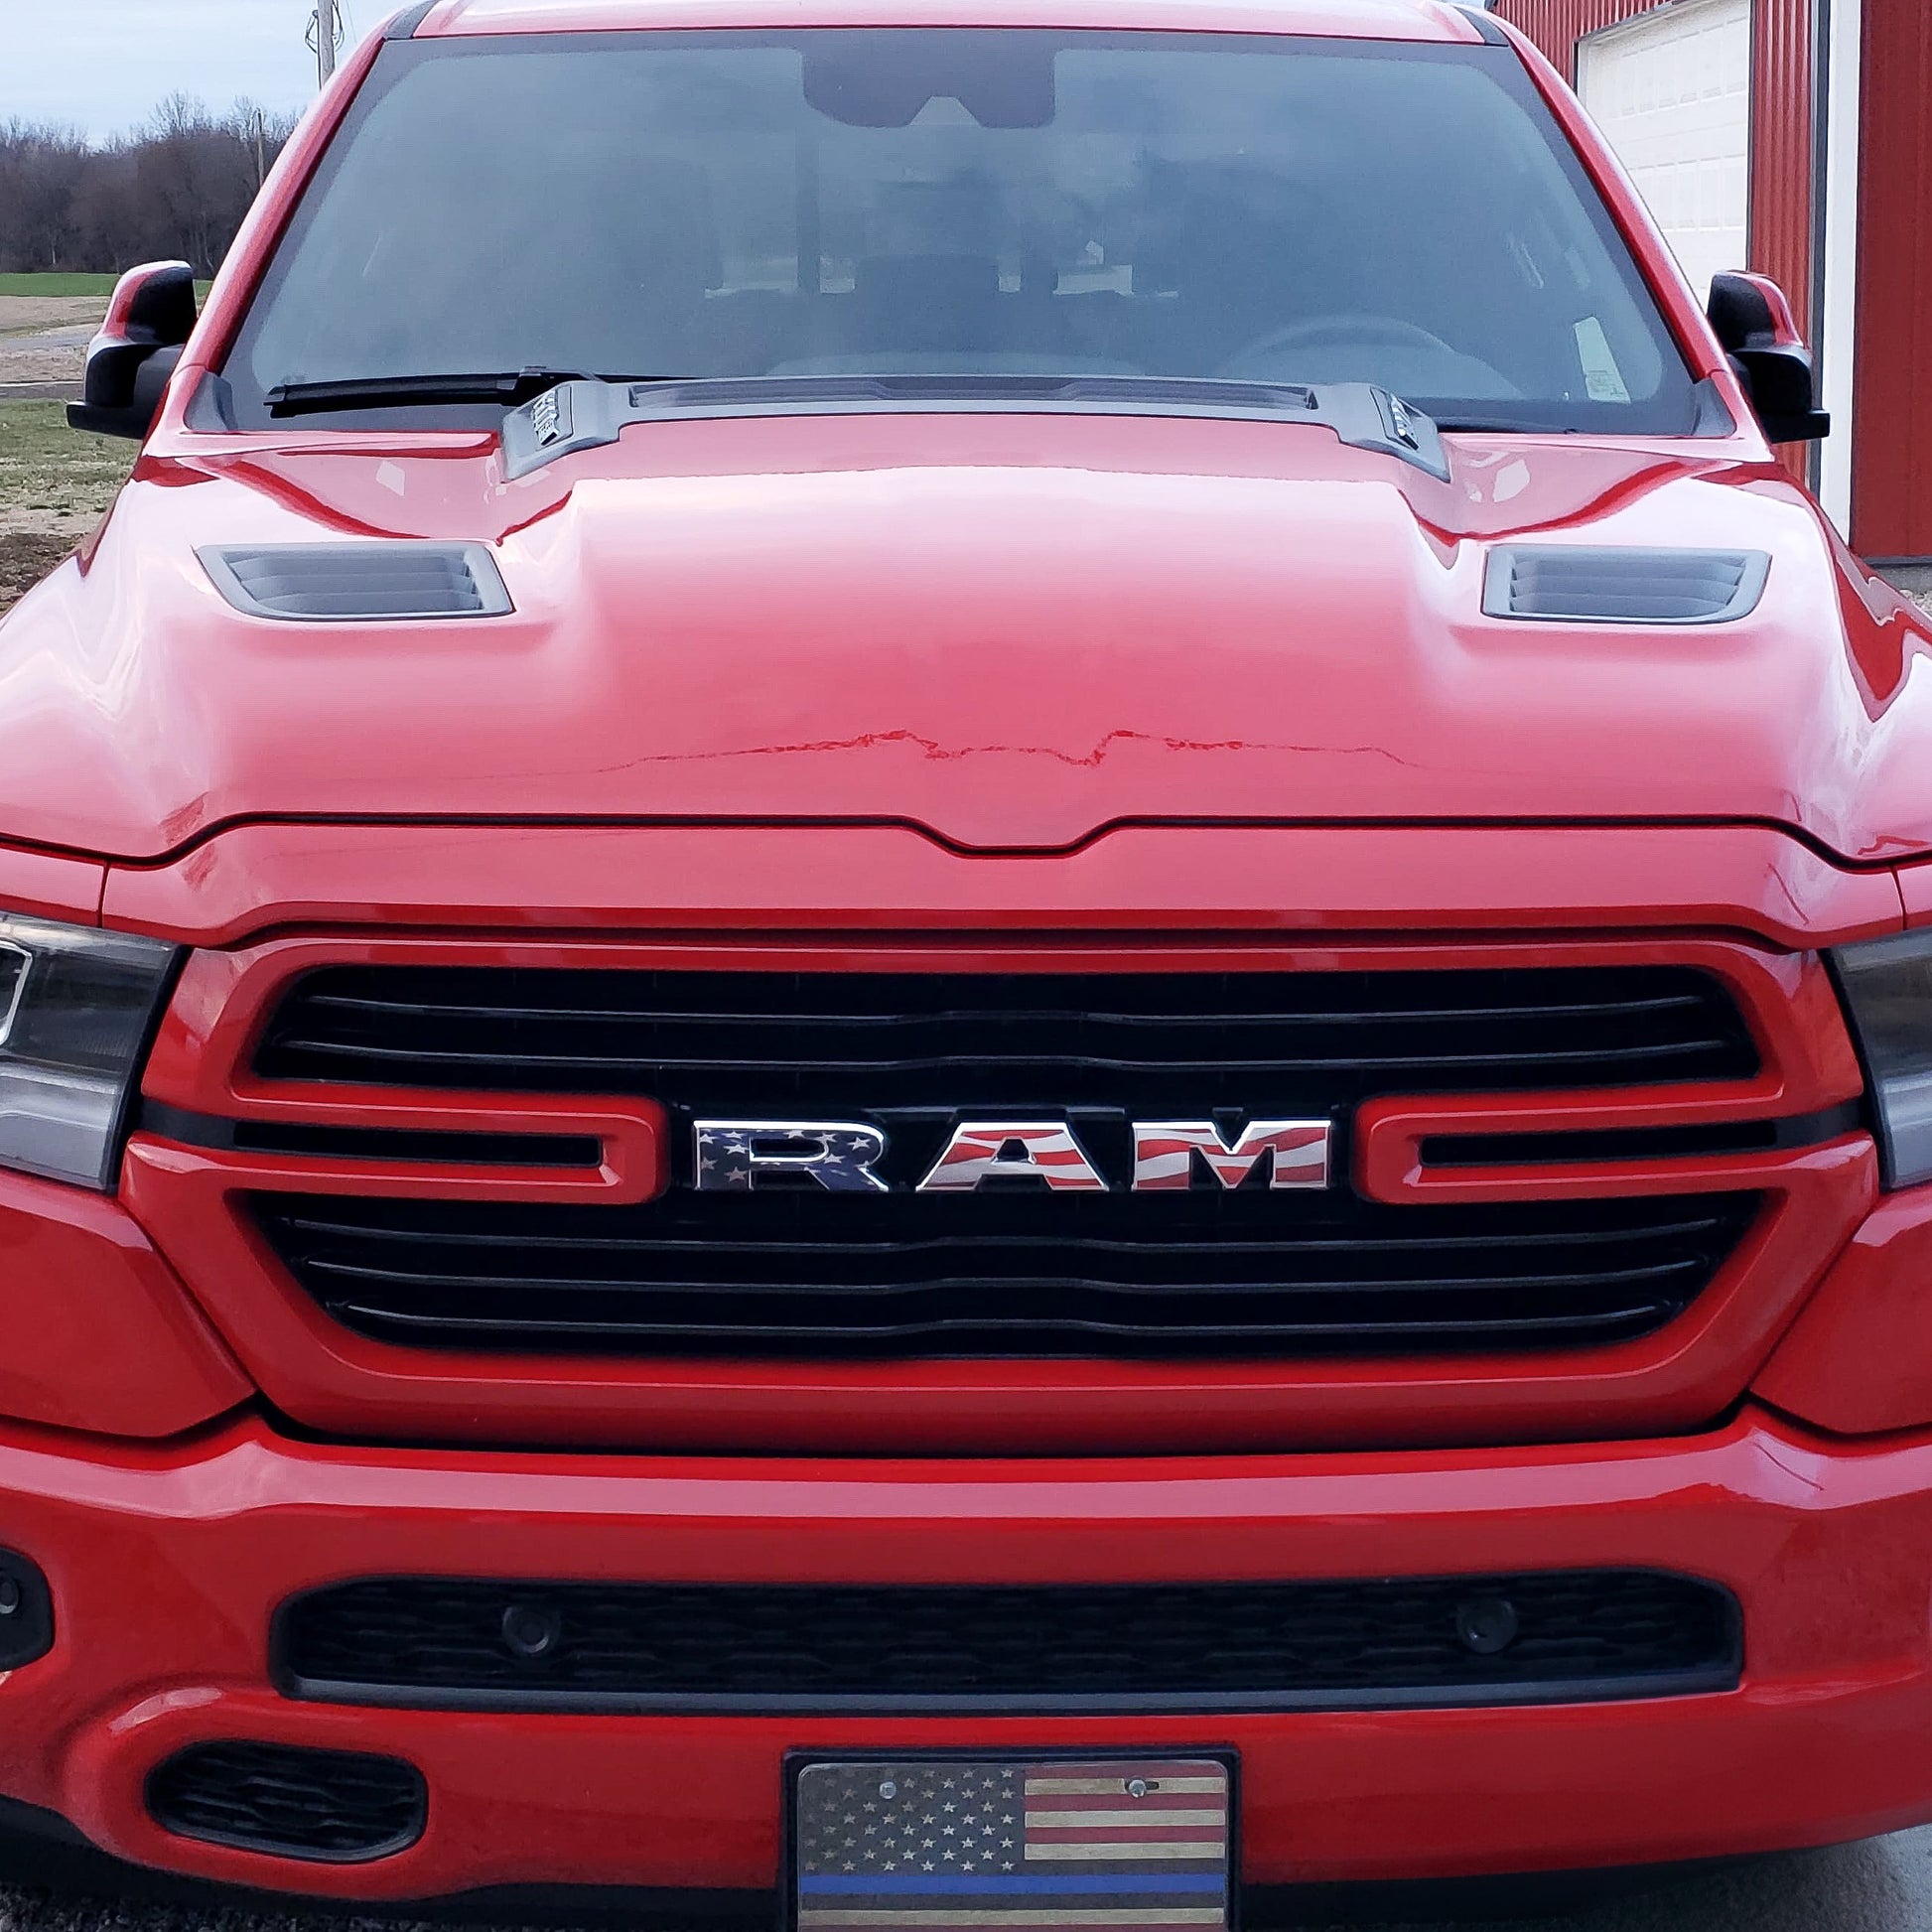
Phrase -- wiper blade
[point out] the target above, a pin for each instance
(1502, 425)
(390, 391)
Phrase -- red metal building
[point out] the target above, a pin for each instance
(1790, 136)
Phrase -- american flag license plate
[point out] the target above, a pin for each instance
(1055, 1845)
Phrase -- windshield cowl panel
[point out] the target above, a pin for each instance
(501, 212)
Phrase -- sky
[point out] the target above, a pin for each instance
(102, 64)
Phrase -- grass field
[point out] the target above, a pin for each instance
(51, 283)
(53, 485)
(101, 285)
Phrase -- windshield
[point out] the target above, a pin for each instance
(966, 201)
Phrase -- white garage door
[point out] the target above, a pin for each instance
(1671, 91)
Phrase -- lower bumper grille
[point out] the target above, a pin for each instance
(326, 1807)
(1241, 1274)
(1559, 1637)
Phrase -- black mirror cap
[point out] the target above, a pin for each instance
(1756, 330)
(148, 322)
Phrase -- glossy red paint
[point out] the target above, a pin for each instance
(1285, 631)
(1172, 881)
(100, 1336)
(1915, 885)
(1858, 1360)
(1010, 694)
(52, 887)
(1404, 19)
(1824, 1740)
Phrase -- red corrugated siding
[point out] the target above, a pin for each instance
(1783, 162)
(1783, 151)
(1891, 508)
(1556, 26)
(1782, 147)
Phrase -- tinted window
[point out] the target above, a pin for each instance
(984, 202)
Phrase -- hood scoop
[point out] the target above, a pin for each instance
(359, 583)
(1581, 584)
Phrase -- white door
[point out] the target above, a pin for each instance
(1672, 93)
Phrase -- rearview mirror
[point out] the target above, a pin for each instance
(129, 362)
(1759, 333)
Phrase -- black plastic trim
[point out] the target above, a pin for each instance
(25, 1612)
(373, 559)
(1699, 1683)
(1479, 12)
(574, 416)
(1499, 596)
(161, 1802)
(405, 24)
(1723, 1673)
(368, 1143)
(1645, 1143)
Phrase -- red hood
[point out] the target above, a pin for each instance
(1011, 631)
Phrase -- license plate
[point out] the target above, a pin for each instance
(1012, 1845)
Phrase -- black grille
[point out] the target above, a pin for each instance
(328, 1807)
(917, 1045)
(1247, 1273)
(1237, 1273)
(1184, 1647)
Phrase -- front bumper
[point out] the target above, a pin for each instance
(167, 1564)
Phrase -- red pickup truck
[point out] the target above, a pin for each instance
(963, 965)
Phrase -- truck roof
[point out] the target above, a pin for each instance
(1391, 20)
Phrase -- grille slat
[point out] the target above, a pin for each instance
(1249, 1273)
(1600, 1009)
(898, 1252)
(1629, 1060)
(790, 1648)
(1066, 1038)
(1254, 1273)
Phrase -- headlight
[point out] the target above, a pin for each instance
(76, 1008)
(1888, 993)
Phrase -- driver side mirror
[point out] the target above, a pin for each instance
(148, 322)
(1757, 328)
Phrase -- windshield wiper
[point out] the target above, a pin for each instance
(394, 391)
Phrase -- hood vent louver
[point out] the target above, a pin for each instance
(1581, 584)
(359, 583)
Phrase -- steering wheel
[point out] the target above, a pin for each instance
(1318, 331)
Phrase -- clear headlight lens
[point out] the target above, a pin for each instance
(76, 1008)
(1888, 993)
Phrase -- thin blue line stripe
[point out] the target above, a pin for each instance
(1102, 1882)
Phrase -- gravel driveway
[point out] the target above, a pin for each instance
(1884, 1887)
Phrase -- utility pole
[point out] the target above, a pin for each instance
(261, 149)
(325, 36)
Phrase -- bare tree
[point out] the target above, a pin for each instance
(178, 186)
(41, 166)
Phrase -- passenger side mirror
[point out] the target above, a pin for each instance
(148, 324)
(1755, 325)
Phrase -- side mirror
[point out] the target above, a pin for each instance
(1754, 325)
(148, 325)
